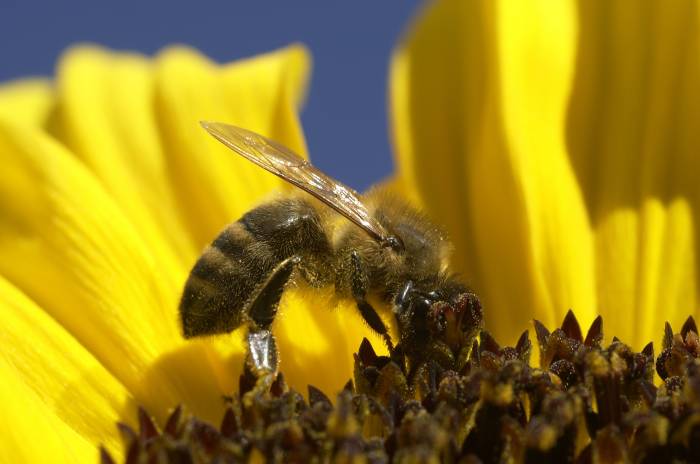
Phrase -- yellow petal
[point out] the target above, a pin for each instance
(106, 117)
(213, 185)
(30, 433)
(29, 101)
(563, 138)
(49, 379)
(317, 340)
(116, 113)
(69, 247)
(633, 141)
(479, 94)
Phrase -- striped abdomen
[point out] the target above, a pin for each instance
(242, 256)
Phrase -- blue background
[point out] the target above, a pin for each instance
(345, 119)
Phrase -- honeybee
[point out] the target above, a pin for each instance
(383, 250)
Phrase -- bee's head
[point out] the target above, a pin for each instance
(415, 242)
(437, 315)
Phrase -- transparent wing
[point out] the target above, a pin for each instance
(291, 167)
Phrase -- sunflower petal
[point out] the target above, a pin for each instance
(213, 185)
(45, 368)
(479, 94)
(570, 139)
(105, 116)
(633, 135)
(29, 101)
(30, 434)
(68, 247)
(316, 344)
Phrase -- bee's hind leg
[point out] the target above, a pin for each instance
(359, 293)
(262, 352)
(261, 362)
(262, 307)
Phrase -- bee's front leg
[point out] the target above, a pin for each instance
(359, 293)
(261, 310)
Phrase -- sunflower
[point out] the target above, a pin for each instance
(556, 142)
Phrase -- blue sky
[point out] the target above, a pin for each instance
(345, 118)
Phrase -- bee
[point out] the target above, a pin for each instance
(378, 249)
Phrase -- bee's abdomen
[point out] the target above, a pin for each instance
(240, 258)
(220, 283)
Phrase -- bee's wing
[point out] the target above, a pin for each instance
(291, 167)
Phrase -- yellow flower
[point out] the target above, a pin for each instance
(554, 140)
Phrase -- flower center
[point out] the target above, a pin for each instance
(586, 402)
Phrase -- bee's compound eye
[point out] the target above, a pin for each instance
(393, 242)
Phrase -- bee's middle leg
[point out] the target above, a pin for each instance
(359, 293)
(261, 310)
